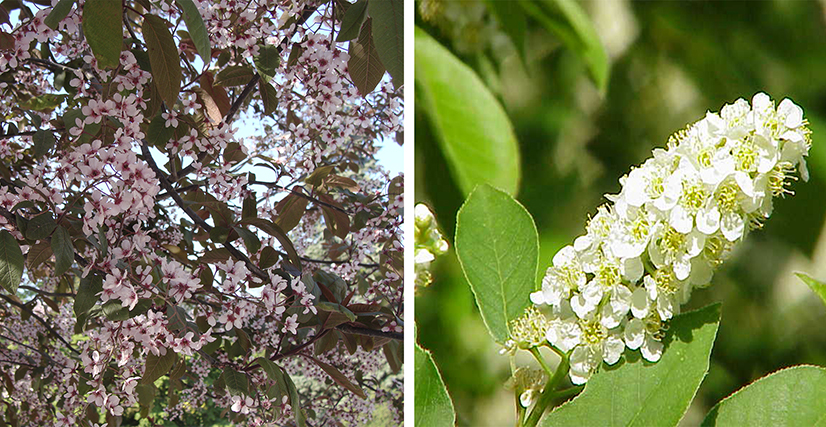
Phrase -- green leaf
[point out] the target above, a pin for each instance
(432, 405)
(266, 62)
(215, 256)
(567, 20)
(60, 11)
(388, 35)
(219, 234)
(157, 134)
(163, 57)
(340, 379)
(103, 29)
(364, 65)
(233, 153)
(498, 248)
(249, 207)
(11, 262)
(268, 257)
(635, 392)
(336, 307)
(47, 102)
(87, 294)
(272, 370)
(197, 29)
(352, 20)
(40, 227)
(236, 382)
(38, 253)
(158, 366)
(146, 394)
(269, 97)
(64, 252)
(277, 232)
(295, 401)
(513, 22)
(817, 286)
(250, 239)
(290, 210)
(791, 397)
(317, 177)
(234, 75)
(43, 142)
(473, 130)
(393, 352)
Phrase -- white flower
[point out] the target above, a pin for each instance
(675, 220)
(564, 276)
(564, 334)
(670, 247)
(638, 336)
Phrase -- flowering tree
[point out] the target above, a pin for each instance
(601, 330)
(157, 267)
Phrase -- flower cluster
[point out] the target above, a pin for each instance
(429, 244)
(677, 217)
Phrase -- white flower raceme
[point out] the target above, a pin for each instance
(676, 218)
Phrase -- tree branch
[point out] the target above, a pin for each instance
(192, 215)
(40, 319)
(300, 194)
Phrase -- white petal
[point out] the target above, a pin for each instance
(610, 318)
(695, 241)
(650, 286)
(634, 334)
(652, 349)
(708, 220)
(634, 188)
(665, 307)
(792, 112)
(732, 226)
(761, 102)
(804, 171)
(680, 219)
(581, 365)
(564, 256)
(579, 378)
(592, 292)
(612, 350)
(538, 297)
(701, 272)
(621, 299)
(581, 306)
(582, 243)
(639, 303)
(744, 182)
(632, 269)
(682, 267)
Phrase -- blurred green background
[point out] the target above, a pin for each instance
(670, 63)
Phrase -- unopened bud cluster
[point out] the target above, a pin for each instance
(676, 219)
(429, 244)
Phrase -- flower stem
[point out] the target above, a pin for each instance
(536, 354)
(548, 394)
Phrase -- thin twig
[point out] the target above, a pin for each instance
(51, 294)
(300, 194)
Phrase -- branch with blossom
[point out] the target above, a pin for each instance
(152, 256)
